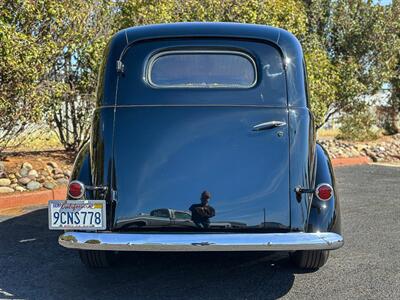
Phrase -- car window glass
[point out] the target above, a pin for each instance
(204, 69)
(182, 215)
(162, 213)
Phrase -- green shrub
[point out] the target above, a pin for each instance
(358, 126)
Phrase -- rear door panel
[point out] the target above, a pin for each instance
(165, 156)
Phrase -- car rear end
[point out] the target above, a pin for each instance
(194, 114)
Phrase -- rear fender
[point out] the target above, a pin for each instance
(324, 215)
(81, 170)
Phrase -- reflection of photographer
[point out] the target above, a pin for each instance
(201, 213)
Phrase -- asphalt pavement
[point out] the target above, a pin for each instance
(34, 266)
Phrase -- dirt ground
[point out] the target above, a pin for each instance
(38, 159)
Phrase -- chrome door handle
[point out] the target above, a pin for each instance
(268, 125)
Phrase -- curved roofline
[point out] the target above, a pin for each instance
(207, 29)
(284, 40)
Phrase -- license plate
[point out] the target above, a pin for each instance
(77, 214)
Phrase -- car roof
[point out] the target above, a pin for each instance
(282, 39)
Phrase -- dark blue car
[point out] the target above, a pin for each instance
(211, 124)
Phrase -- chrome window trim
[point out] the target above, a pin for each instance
(153, 58)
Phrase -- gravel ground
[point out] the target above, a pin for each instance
(33, 266)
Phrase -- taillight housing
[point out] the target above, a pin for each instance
(76, 189)
(324, 192)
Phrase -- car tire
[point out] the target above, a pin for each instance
(311, 259)
(97, 259)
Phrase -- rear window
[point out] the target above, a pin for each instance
(201, 69)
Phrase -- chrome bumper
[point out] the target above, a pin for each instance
(201, 242)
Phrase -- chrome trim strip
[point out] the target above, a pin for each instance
(154, 58)
(201, 242)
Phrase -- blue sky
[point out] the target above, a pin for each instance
(384, 2)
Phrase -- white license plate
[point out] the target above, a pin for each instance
(77, 214)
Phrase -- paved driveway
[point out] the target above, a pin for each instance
(33, 266)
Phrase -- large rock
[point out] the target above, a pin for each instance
(2, 166)
(62, 181)
(58, 171)
(33, 185)
(20, 188)
(49, 185)
(23, 172)
(5, 182)
(24, 180)
(5, 189)
(58, 176)
(26, 165)
(33, 173)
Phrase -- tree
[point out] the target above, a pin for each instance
(356, 40)
(75, 69)
(25, 50)
(50, 56)
(290, 15)
(393, 35)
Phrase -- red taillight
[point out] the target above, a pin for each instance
(324, 192)
(76, 189)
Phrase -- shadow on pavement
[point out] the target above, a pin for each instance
(34, 266)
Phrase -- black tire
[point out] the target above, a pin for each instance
(97, 259)
(311, 260)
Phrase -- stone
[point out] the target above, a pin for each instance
(53, 165)
(49, 178)
(24, 180)
(33, 173)
(11, 176)
(44, 173)
(2, 166)
(62, 181)
(33, 185)
(5, 182)
(58, 171)
(17, 175)
(15, 180)
(20, 188)
(27, 166)
(373, 157)
(23, 172)
(13, 185)
(41, 179)
(6, 189)
(58, 176)
(49, 185)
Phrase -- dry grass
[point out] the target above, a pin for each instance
(327, 133)
(38, 139)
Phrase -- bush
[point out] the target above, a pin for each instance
(358, 126)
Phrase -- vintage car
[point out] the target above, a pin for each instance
(190, 107)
